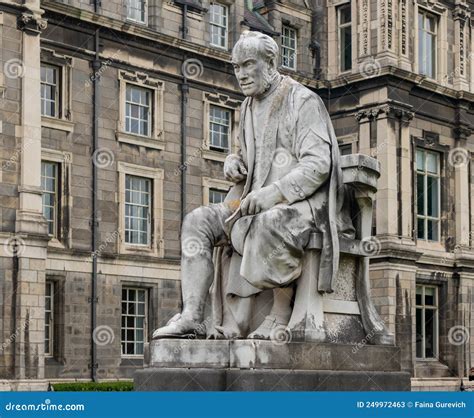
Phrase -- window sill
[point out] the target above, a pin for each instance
(214, 155)
(127, 249)
(221, 48)
(430, 245)
(55, 243)
(59, 124)
(142, 141)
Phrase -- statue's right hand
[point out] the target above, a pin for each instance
(234, 169)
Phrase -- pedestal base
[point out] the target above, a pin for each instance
(179, 379)
(253, 365)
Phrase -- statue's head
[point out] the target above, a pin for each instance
(254, 58)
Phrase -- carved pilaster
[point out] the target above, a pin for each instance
(461, 16)
(364, 27)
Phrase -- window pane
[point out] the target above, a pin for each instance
(345, 14)
(419, 334)
(133, 320)
(216, 196)
(420, 160)
(432, 162)
(420, 195)
(430, 296)
(430, 333)
(432, 196)
(419, 294)
(433, 233)
(137, 209)
(421, 228)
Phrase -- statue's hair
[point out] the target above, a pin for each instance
(267, 46)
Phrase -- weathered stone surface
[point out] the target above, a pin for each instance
(169, 379)
(261, 354)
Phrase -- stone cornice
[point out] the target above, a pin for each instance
(391, 108)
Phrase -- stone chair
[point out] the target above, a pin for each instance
(348, 315)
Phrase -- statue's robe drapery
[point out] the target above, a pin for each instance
(298, 154)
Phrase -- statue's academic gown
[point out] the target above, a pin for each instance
(299, 154)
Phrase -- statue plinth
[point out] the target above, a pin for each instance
(258, 365)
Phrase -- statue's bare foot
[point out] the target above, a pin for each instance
(178, 326)
(270, 329)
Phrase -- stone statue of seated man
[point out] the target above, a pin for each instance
(288, 185)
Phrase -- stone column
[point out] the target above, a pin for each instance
(461, 17)
(387, 199)
(406, 173)
(30, 240)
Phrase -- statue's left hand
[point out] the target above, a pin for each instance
(261, 200)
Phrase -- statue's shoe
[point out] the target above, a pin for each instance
(179, 327)
(271, 326)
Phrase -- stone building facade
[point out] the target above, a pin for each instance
(115, 120)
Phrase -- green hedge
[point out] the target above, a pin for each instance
(93, 387)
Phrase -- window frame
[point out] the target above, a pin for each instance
(145, 320)
(57, 198)
(340, 28)
(427, 174)
(216, 184)
(51, 325)
(149, 211)
(213, 147)
(220, 100)
(148, 107)
(436, 325)
(156, 243)
(57, 90)
(145, 12)
(427, 13)
(64, 64)
(216, 25)
(156, 137)
(288, 48)
(64, 159)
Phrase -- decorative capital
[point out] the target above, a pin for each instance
(462, 132)
(31, 24)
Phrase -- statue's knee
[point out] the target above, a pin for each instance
(194, 220)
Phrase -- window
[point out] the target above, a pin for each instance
(219, 24)
(136, 10)
(288, 47)
(49, 184)
(137, 210)
(49, 91)
(216, 196)
(219, 128)
(138, 110)
(49, 319)
(428, 194)
(427, 33)
(345, 37)
(345, 149)
(134, 320)
(426, 321)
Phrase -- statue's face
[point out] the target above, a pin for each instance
(251, 70)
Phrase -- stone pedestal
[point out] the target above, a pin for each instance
(255, 365)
